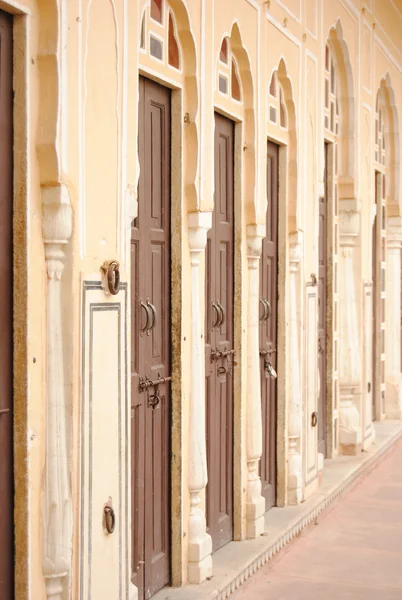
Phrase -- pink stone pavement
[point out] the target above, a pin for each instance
(354, 552)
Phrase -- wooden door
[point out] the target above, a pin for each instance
(268, 331)
(378, 264)
(322, 309)
(219, 341)
(6, 309)
(375, 303)
(151, 344)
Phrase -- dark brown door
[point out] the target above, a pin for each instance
(219, 341)
(268, 331)
(151, 343)
(375, 291)
(6, 309)
(322, 310)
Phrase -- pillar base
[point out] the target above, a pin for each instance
(200, 559)
(295, 471)
(350, 434)
(133, 592)
(255, 518)
(294, 496)
(350, 449)
(393, 400)
(199, 572)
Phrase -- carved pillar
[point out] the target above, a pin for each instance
(200, 542)
(350, 435)
(295, 422)
(255, 501)
(393, 400)
(57, 502)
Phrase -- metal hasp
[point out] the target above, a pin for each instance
(217, 354)
(145, 384)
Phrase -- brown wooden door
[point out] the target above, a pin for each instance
(322, 310)
(219, 338)
(268, 331)
(151, 344)
(6, 310)
(375, 303)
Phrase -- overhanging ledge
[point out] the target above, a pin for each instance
(237, 561)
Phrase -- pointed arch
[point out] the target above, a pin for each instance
(249, 136)
(292, 199)
(345, 86)
(386, 102)
(190, 101)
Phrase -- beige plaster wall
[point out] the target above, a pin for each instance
(83, 115)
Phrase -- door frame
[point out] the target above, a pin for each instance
(21, 204)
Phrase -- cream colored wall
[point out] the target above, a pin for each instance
(84, 115)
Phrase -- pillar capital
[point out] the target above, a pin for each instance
(199, 223)
(295, 250)
(394, 232)
(349, 221)
(255, 234)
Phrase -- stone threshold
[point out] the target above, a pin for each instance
(237, 561)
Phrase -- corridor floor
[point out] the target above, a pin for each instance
(353, 552)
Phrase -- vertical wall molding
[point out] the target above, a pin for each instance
(393, 401)
(57, 499)
(200, 542)
(295, 422)
(350, 417)
(255, 509)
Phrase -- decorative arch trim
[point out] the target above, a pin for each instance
(340, 51)
(386, 97)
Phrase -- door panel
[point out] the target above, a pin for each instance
(151, 343)
(219, 294)
(6, 310)
(322, 309)
(268, 330)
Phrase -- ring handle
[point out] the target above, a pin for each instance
(264, 308)
(214, 305)
(268, 305)
(113, 277)
(145, 307)
(221, 322)
(154, 314)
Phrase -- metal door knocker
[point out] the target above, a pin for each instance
(109, 517)
(111, 273)
(314, 419)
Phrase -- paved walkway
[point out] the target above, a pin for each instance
(353, 553)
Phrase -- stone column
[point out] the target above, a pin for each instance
(350, 435)
(295, 422)
(200, 542)
(393, 400)
(57, 500)
(255, 501)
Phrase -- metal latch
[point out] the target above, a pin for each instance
(145, 384)
(270, 370)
